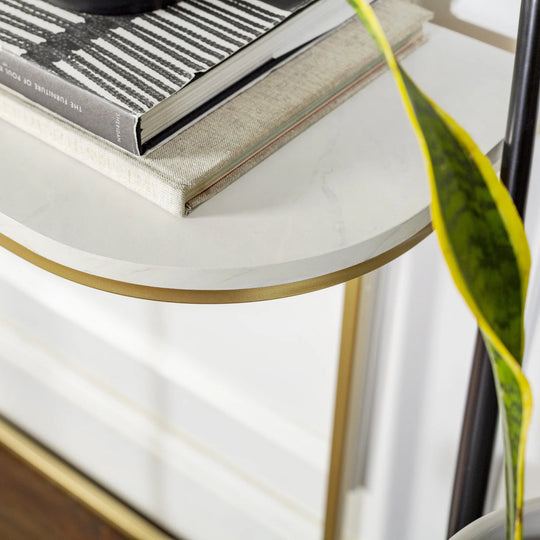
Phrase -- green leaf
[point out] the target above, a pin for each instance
(509, 383)
(485, 247)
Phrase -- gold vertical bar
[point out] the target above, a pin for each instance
(335, 491)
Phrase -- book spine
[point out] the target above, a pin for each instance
(67, 100)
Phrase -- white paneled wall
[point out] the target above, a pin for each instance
(498, 16)
(185, 411)
(532, 321)
(216, 419)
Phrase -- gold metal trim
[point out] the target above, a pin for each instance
(351, 309)
(120, 516)
(207, 296)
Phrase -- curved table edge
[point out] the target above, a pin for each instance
(188, 296)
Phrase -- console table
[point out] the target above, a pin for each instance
(340, 200)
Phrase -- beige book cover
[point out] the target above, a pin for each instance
(206, 157)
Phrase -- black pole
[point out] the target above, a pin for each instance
(480, 420)
(476, 445)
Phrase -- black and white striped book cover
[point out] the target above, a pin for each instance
(104, 72)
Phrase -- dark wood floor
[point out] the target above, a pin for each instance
(44, 498)
(32, 508)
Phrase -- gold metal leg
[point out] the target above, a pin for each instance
(351, 413)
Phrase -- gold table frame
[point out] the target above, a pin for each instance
(354, 334)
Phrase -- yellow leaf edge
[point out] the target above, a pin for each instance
(526, 397)
(503, 201)
(508, 214)
(499, 193)
(520, 245)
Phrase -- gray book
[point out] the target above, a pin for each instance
(137, 79)
(209, 155)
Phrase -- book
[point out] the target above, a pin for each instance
(137, 79)
(200, 161)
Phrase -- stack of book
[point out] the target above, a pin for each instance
(177, 103)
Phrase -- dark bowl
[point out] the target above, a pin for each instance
(111, 7)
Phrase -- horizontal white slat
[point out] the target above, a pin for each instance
(250, 387)
(150, 467)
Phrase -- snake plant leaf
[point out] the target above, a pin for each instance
(513, 391)
(485, 247)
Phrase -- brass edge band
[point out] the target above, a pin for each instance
(118, 515)
(334, 502)
(208, 296)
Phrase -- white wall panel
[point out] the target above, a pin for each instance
(496, 15)
(424, 367)
(249, 388)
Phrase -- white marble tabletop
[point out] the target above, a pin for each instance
(345, 191)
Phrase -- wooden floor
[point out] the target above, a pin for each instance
(43, 498)
(32, 508)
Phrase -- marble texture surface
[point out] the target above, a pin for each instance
(346, 190)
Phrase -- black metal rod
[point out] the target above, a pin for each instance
(522, 114)
(476, 445)
(480, 419)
